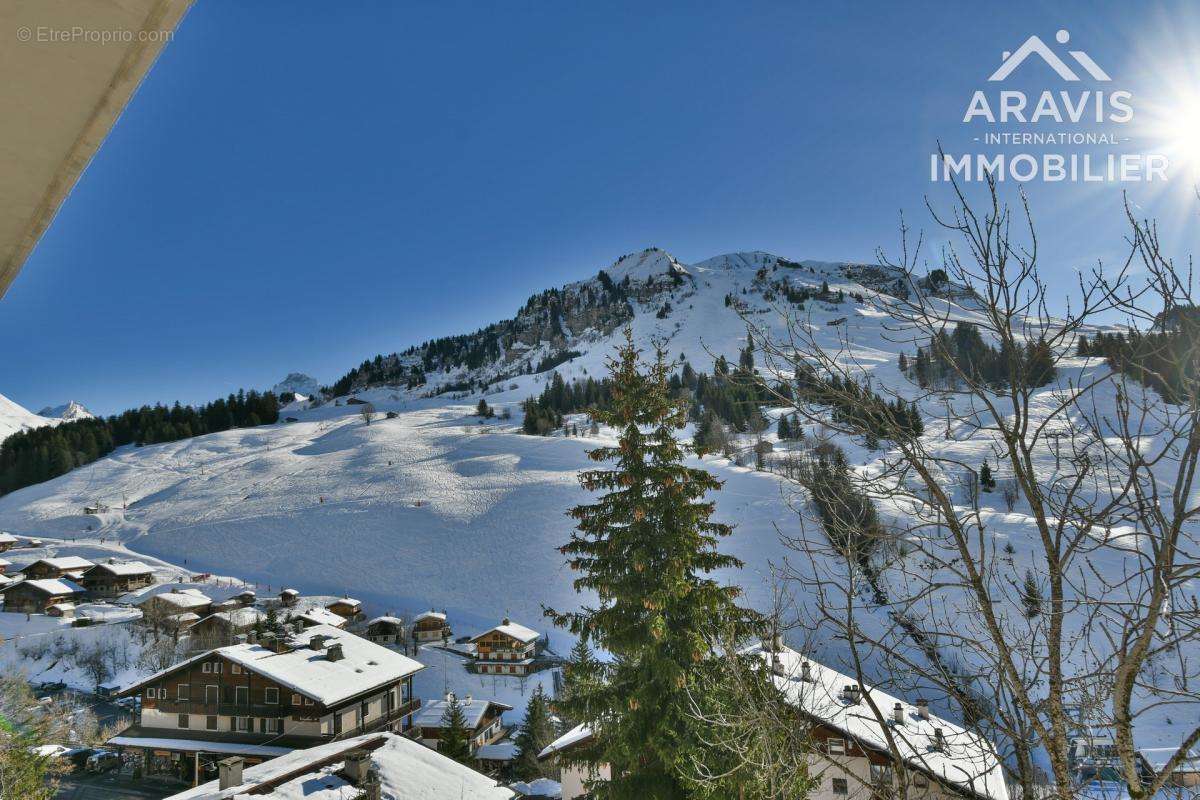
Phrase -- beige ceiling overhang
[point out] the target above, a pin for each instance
(69, 67)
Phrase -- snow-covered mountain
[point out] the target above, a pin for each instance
(297, 383)
(68, 412)
(15, 418)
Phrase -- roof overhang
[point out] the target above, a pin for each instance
(69, 70)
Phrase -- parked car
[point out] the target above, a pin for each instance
(103, 761)
(128, 703)
(78, 756)
(51, 686)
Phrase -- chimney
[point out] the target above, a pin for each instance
(898, 714)
(317, 642)
(229, 772)
(923, 708)
(358, 764)
(851, 694)
(469, 700)
(939, 740)
(334, 652)
(506, 621)
(372, 787)
(806, 672)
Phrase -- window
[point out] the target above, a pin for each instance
(271, 695)
(162, 693)
(881, 774)
(835, 747)
(308, 701)
(217, 667)
(243, 724)
(207, 667)
(183, 720)
(241, 695)
(210, 695)
(295, 699)
(210, 722)
(236, 668)
(270, 725)
(150, 694)
(840, 786)
(182, 691)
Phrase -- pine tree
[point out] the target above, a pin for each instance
(535, 733)
(455, 741)
(483, 409)
(903, 363)
(784, 431)
(644, 548)
(1031, 595)
(986, 480)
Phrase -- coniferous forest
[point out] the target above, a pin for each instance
(1164, 360)
(37, 455)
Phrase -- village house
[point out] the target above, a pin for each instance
(255, 700)
(60, 610)
(484, 718)
(226, 626)
(430, 626)
(386, 630)
(288, 597)
(37, 595)
(4, 565)
(346, 607)
(7, 541)
(351, 768)
(1186, 774)
(110, 579)
(507, 649)
(65, 567)
(319, 616)
(850, 757)
(5, 580)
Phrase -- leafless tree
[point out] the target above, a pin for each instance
(1105, 466)
(367, 412)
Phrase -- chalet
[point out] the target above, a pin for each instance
(5, 580)
(484, 718)
(289, 597)
(257, 700)
(850, 755)
(320, 616)
(430, 626)
(356, 767)
(176, 602)
(36, 595)
(386, 630)
(226, 626)
(346, 607)
(1185, 775)
(4, 565)
(7, 541)
(65, 567)
(111, 579)
(60, 610)
(507, 649)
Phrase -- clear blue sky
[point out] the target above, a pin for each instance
(298, 186)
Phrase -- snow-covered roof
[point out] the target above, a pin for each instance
(238, 617)
(580, 733)
(388, 619)
(436, 616)
(185, 599)
(500, 751)
(65, 563)
(406, 769)
(125, 568)
(5, 580)
(542, 787)
(364, 665)
(7, 538)
(289, 591)
(49, 586)
(1157, 757)
(965, 759)
(344, 601)
(518, 632)
(63, 607)
(4, 562)
(473, 709)
(322, 616)
(205, 745)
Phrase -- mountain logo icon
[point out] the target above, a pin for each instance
(1033, 45)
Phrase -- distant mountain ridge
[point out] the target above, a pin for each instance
(67, 412)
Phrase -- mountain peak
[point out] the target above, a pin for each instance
(67, 412)
(297, 383)
(649, 263)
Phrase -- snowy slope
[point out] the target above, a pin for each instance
(14, 418)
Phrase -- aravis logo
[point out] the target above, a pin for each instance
(1035, 46)
(1058, 133)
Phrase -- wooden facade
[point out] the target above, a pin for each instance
(45, 568)
(103, 580)
(26, 597)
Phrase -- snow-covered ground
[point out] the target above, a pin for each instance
(14, 418)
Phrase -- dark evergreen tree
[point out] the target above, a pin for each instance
(455, 741)
(535, 733)
(645, 548)
(1031, 595)
(987, 481)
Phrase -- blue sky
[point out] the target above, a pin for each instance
(298, 186)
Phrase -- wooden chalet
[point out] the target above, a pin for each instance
(507, 649)
(7, 541)
(430, 626)
(288, 597)
(226, 626)
(35, 596)
(111, 579)
(261, 700)
(386, 630)
(346, 607)
(4, 565)
(315, 617)
(484, 718)
(64, 567)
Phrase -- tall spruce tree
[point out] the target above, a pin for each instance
(644, 548)
(455, 741)
(536, 731)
